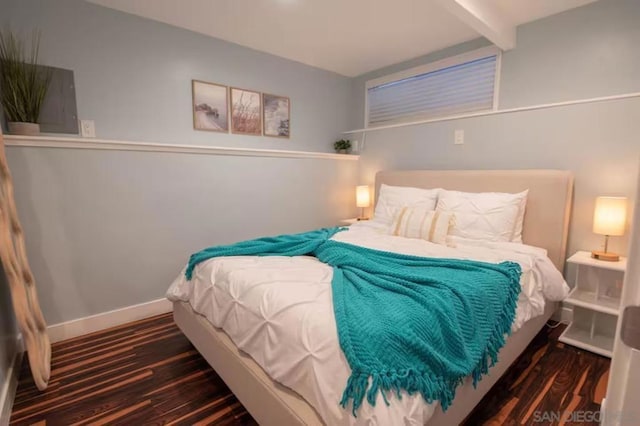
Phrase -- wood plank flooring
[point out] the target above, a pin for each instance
(147, 372)
(144, 372)
(550, 380)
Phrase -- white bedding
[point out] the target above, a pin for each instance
(279, 310)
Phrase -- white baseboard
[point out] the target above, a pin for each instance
(8, 391)
(90, 324)
(75, 328)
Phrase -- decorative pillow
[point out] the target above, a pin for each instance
(392, 198)
(517, 233)
(422, 223)
(489, 216)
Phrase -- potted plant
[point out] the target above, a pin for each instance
(343, 146)
(23, 84)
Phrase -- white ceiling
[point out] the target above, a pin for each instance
(350, 37)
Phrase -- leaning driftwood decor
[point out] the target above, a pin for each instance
(13, 255)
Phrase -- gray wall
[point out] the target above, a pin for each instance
(587, 52)
(133, 76)
(111, 229)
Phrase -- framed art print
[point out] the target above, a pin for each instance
(277, 112)
(246, 112)
(210, 106)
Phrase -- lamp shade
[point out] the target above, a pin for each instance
(610, 216)
(362, 196)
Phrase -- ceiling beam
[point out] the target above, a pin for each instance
(485, 18)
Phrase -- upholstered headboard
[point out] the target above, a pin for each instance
(546, 220)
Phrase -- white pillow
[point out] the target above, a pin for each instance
(393, 198)
(422, 223)
(489, 216)
(517, 232)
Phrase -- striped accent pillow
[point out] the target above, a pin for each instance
(422, 223)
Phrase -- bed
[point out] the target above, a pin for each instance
(318, 371)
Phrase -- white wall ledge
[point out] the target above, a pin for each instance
(47, 141)
(496, 112)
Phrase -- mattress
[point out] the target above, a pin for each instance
(279, 311)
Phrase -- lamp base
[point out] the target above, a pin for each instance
(602, 255)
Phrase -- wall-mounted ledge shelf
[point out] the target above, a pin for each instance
(496, 112)
(116, 145)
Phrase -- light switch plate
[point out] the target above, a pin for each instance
(87, 128)
(458, 137)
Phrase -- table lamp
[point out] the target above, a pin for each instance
(362, 199)
(609, 219)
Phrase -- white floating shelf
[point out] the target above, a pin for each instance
(117, 145)
(496, 112)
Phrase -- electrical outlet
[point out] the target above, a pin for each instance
(87, 128)
(458, 137)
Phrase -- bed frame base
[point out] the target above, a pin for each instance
(267, 401)
(273, 404)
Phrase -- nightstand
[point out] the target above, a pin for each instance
(347, 222)
(595, 299)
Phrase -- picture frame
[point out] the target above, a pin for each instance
(276, 116)
(210, 105)
(246, 112)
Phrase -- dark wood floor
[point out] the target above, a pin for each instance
(144, 372)
(549, 380)
(147, 372)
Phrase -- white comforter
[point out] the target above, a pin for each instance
(279, 310)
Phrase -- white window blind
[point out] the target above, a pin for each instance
(466, 86)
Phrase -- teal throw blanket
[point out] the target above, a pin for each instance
(405, 323)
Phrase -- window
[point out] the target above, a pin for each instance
(461, 84)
